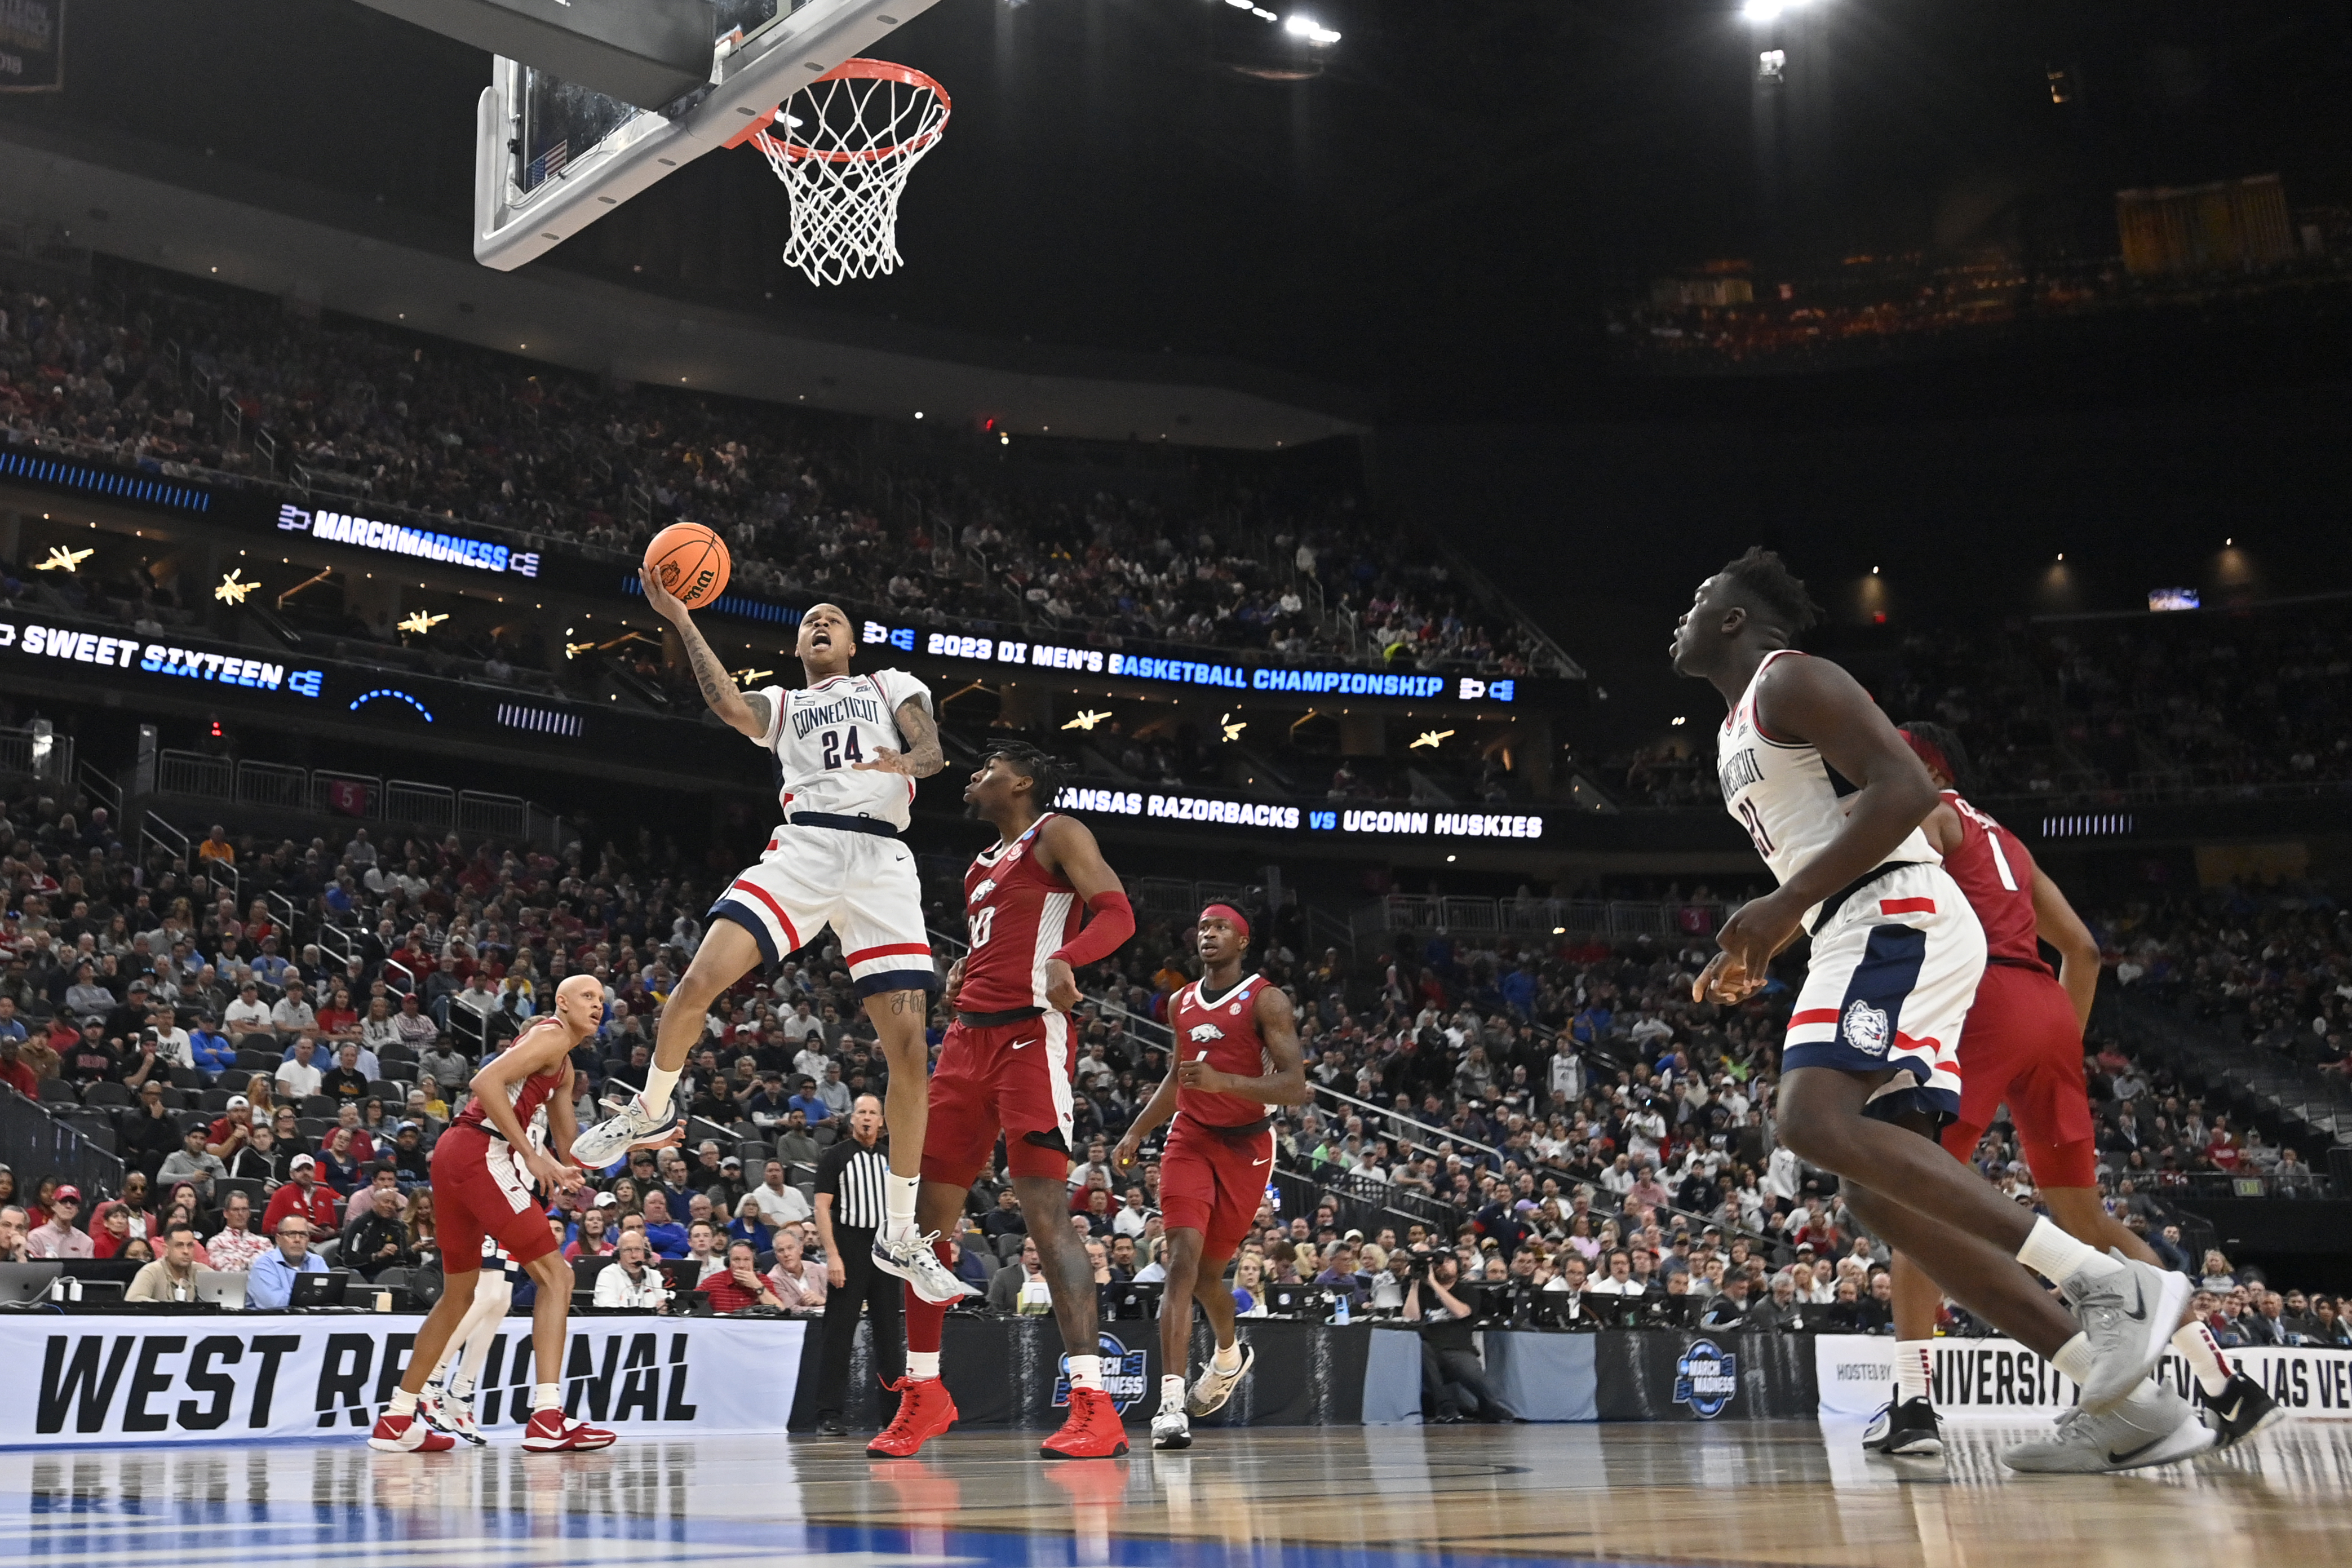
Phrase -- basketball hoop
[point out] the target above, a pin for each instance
(844, 146)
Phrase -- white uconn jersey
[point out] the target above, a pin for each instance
(820, 733)
(1781, 791)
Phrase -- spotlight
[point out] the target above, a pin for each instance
(1763, 10)
(1308, 28)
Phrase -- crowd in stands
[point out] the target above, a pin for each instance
(1558, 1114)
(2098, 709)
(392, 419)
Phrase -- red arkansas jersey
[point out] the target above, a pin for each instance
(1994, 868)
(1222, 1032)
(1018, 915)
(526, 1094)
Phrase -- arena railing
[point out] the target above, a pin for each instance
(36, 1144)
(37, 751)
(355, 796)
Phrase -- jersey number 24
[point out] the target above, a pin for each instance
(841, 746)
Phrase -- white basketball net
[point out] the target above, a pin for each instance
(844, 146)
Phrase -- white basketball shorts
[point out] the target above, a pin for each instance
(1892, 974)
(863, 885)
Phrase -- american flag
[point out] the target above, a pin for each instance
(548, 164)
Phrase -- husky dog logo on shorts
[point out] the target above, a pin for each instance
(1865, 1027)
(1204, 1033)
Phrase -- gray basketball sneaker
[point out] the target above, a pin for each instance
(2153, 1427)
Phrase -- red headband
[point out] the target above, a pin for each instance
(1231, 916)
(1927, 752)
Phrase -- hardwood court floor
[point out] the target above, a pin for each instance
(1353, 1498)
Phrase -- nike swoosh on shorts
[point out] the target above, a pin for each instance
(1018, 1044)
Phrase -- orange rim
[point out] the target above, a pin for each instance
(854, 70)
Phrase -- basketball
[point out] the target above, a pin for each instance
(690, 560)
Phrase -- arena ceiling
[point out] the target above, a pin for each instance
(1440, 217)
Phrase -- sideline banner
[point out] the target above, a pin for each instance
(95, 1379)
(1666, 1375)
(1998, 1380)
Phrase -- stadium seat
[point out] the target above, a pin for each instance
(175, 1099)
(325, 1104)
(753, 1153)
(584, 1271)
(195, 1079)
(314, 1127)
(1008, 1246)
(106, 1094)
(391, 1092)
(92, 1123)
(258, 1061)
(58, 1091)
(215, 1099)
(251, 1186)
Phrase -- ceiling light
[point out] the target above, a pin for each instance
(1763, 10)
(1308, 28)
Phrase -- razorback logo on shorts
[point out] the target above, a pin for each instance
(1865, 1027)
(1204, 1033)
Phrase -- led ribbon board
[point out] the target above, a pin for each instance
(163, 661)
(1325, 682)
(400, 539)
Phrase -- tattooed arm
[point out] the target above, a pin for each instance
(922, 757)
(748, 712)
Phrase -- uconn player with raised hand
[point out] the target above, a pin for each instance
(1237, 1053)
(1869, 1069)
(1006, 1067)
(848, 750)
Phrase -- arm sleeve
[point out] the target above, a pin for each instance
(1113, 923)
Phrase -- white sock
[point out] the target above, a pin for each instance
(898, 1204)
(2195, 1344)
(403, 1403)
(922, 1365)
(546, 1396)
(2053, 1254)
(1912, 1358)
(1228, 1357)
(661, 1087)
(460, 1387)
(2074, 1359)
(1086, 1372)
(1171, 1391)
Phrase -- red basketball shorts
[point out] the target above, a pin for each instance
(2022, 1047)
(481, 1188)
(1214, 1183)
(1013, 1079)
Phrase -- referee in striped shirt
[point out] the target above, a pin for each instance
(849, 1208)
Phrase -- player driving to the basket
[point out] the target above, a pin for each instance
(847, 750)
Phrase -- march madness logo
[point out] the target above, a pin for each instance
(1866, 1028)
(1706, 1378)
(1125, 1377)
(1201, 1034)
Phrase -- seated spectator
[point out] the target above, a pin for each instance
(378, 1239)
(270, 1282)
(305, 1195)
(249, 1014)
(1022, 1289)
(345, 1078)
(14, 1229)
(236, 1244)
(172, 1275)
(630, 1280)
(593, 1237)
(297, 1076)
(735, 1282)
(664, 1235)
(1728, 1310)
(798, 1283)
(193, 1162)
(341, 1160)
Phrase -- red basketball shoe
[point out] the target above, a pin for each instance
(926, 1409)
(1092, 1432)
(552, 1432)
(407, 1434)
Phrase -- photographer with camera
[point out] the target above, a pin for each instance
(1453, 1379)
